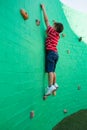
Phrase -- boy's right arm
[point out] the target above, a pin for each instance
(45, 15)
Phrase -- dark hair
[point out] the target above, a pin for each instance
(59, 27)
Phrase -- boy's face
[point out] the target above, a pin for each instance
(54, 25)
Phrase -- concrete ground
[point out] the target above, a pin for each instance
(77, 121)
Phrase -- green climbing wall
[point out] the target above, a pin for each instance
(22, 76)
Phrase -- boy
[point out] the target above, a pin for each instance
(51, 51)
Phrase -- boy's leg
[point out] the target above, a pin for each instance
(51, 88)
(50, 69)
(50, 78)
(54, 78)
(54, 81)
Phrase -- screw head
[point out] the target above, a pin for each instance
(63, 35)
(79, 87)
(68, 51)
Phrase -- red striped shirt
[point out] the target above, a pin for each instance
(52, 39)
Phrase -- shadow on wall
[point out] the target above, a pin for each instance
(77, 121)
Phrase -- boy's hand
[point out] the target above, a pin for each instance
(42, 6)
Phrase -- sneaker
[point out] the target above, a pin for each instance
(50, 90)
(56, 86)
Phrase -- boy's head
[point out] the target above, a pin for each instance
(58, 27)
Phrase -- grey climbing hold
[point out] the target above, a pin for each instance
(65, 111)
(37, 22)
(80, 39)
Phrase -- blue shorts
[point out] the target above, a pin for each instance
(51, 61)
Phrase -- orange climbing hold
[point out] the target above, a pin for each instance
(24, 14)
(32, 114)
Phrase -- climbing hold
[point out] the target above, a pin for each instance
(63, 35)
(32, 114)
(54, 93)
(45, 97)
(68, 51)
(65, 111)
(37, 22)
(80, 39)
(24, 14)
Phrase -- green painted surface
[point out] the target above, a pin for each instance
(22, 76)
